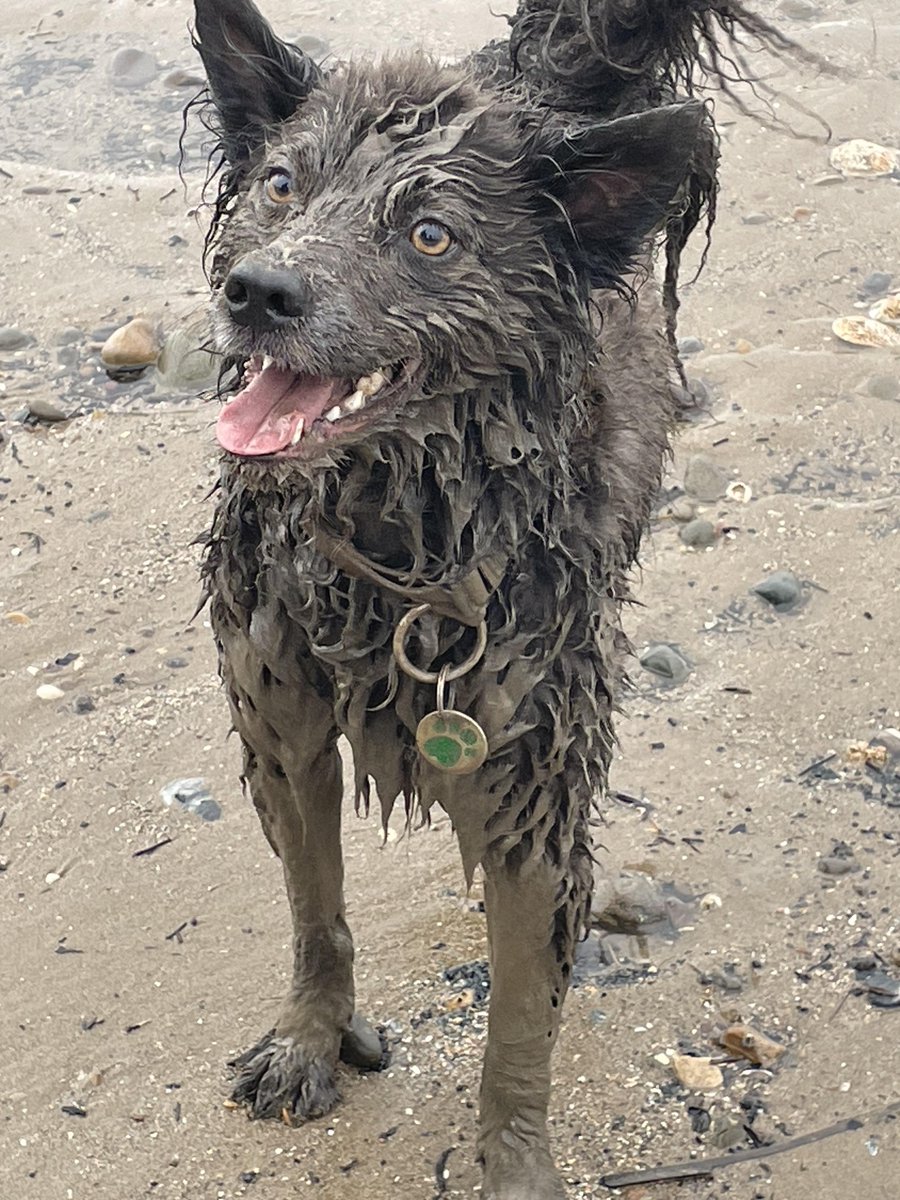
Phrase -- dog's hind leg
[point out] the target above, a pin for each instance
(293, 770)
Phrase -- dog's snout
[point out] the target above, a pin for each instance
(265, 297)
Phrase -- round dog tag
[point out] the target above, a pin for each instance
(452, 742)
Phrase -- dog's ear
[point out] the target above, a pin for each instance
(256, 79)
(616, 181)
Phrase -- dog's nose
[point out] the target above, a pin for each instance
(264, 297)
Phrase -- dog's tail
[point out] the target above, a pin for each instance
(608, 57)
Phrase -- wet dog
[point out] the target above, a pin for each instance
(454, 384)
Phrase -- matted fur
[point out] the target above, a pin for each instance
(526, 457)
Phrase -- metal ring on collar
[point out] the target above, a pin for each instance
(402, 632)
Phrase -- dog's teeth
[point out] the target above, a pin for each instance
(334, 414)
(370, 384)
(268, 361)
(298, 432)
(354, 403)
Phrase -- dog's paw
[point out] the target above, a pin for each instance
(364, 1047)
(516, 1175)
(280, 1078)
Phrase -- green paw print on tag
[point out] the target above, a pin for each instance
(452, 742)
(445, 749)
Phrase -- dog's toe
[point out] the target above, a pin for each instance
(279, 1078)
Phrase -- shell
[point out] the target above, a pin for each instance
(887, 310)
(740, 491)
(862, 331)
(859, 158)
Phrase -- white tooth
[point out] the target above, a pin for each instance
(354, 403)
(298, 432)
(268, 361)
(333, 414)
(370, 384)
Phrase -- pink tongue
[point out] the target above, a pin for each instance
(263, 418)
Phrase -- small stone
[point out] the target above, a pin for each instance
(315, 47)
(690, 345)
(840, 861)
(193, 796)
(876, 283)
(749, 1043)
(43, 410)
(781, 589)
(132, 68)
(132, 345)
(176, 663)
(682, 508)
(698, 533)
(628, 903)
(890, 740)
(12, 338)
(802, 213)
(755, 218)
(84, 704)
(181, 78)
(49, 691)
(799, 10)
(666, 662)
(704, 479)
(185, 365)
(17, 618)
(698, 1074)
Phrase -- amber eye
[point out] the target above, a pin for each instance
(431, 237)
(280, 187)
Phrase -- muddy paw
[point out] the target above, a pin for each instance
(364, 1047)
(279, 1078)
(521, 1176)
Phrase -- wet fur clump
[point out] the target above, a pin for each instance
(504, 478)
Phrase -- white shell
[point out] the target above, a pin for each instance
(862, 331)
(887, 310)
(740, 491)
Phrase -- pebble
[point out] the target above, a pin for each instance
(43, 410)
(782, 589)
(698, 533)
(690, 345)
(176, 663)
(17, 618)
(182, 78)
(704, 479)
(132, 345)
(750, 1043)
(84, 704)
(800, 10)
(628, 903)
(890, 739)
(132, 68)
(193, 796)
(876, 283)
(884, 387)
(755, 218)
(698, 1074)
(184, 365)
(666, 662)
(12, 338)
(49, 691)
(839, 862)
(682, 508)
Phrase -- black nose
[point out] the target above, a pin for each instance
(265, 297)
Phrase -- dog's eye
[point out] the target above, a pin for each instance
(280, 187)
(431, 237)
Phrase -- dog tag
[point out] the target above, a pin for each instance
(452, 742)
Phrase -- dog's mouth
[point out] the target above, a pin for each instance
(279, 412)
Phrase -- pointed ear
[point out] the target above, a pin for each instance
(256, 80)
(616, 181)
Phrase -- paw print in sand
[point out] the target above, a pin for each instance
(452, 742)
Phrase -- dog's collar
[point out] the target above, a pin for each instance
(464, 600)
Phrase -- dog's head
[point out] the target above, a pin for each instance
(392, 232)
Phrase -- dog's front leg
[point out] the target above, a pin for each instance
(293, 770)
(526, 911)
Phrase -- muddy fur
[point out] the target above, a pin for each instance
(510, 484)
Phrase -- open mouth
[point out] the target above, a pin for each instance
(278, 412)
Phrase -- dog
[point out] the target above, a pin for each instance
(454, 382)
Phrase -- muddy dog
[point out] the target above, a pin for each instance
(454, 381)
